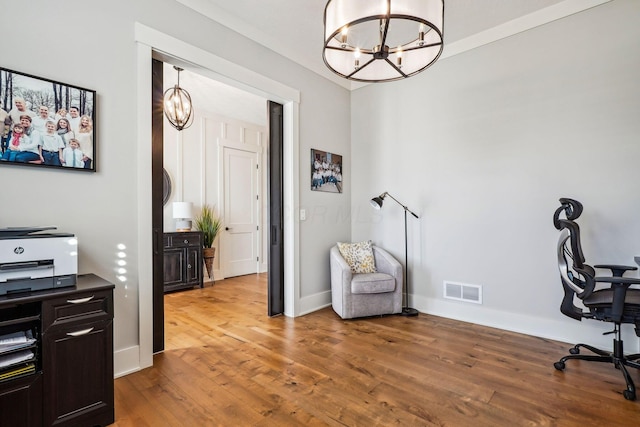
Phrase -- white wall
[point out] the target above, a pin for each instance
(483, 144)
(94, 47)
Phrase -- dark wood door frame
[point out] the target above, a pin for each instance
(157, 164)
(275, 181)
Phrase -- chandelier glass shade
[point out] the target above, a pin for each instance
(177, 105)
(382, 40)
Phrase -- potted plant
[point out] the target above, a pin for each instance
(209, 223)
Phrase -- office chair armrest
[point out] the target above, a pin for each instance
(617, 270)
(619, 280)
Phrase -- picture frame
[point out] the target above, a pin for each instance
(326, 171)
(46, 124)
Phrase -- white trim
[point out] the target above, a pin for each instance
(203, 159)
(291, 172)
(218, 68)
(519, 25)
(315, 302)
(149, 40)
(558, 329)
(235, 23)
(145, 232)
(180, 166)
(126, 361)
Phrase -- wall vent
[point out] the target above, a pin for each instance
(463, 292)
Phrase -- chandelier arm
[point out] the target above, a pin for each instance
(349, 49)
(399, 71)
(361, 67)
(409, 49)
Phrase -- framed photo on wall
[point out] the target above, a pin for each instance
(326, 171)
(46, 124)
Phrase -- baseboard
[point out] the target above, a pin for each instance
(561, 329)
(314, 302)
(126, 361)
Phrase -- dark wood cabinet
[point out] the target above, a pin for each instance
(182, 260)
(21, 401)
(78, 344)
(73, 381)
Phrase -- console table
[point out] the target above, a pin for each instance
(182, 260)
(69, 379)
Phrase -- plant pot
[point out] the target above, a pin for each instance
(209, 254)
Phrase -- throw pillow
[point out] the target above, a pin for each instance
(359, 256)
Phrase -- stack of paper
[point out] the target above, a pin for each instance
(17, 357)
(16, 341)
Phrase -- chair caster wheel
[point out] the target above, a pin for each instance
(574, 350)
(629, 395)
(559, 366)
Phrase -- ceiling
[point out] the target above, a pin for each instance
(294, 28)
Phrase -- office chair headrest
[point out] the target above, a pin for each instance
(572, 210)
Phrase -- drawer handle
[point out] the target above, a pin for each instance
(80, 300)
(188, 265)
(80, 333)
(186, 242)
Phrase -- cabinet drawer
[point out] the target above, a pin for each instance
(83, 306)
(182, 240)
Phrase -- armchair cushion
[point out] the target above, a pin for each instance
(359, 256)
(372, 283)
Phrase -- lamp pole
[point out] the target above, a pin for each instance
(376, 202)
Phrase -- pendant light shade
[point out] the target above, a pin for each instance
(177, 105)
(382, 40)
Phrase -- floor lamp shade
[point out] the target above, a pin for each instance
(182, 213)
(377, 203)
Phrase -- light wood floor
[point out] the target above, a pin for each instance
(226, 363)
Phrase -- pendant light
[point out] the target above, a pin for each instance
(177, 105)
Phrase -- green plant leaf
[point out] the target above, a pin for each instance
(208, 222)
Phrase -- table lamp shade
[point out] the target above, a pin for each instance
(182, 213)
(182, 210)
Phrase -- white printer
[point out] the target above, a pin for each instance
(31, 260)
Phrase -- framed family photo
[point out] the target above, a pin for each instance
(326, 171)
(45, 123)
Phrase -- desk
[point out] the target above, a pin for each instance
(71, 379)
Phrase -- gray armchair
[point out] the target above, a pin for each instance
(366, 294)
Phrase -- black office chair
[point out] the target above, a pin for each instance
(618, 303)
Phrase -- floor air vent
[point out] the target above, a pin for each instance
(463, 292)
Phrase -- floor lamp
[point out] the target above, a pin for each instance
(377, 202)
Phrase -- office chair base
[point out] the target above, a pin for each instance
(619, 360)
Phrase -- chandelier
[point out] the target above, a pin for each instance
(177, 105)
(382, 40)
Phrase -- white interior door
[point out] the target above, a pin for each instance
(241, 215)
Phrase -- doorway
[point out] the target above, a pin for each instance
(236, 166)
(148, 41)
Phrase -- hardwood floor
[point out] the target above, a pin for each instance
(226, 363)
